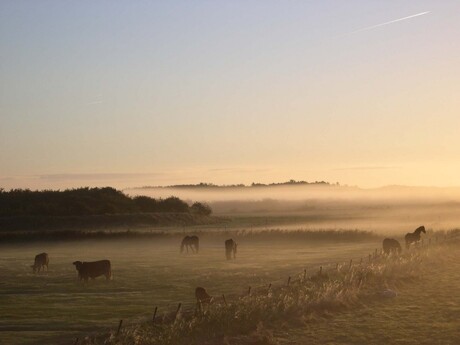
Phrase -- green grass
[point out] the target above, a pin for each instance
(50, 307)
(426, 311)
(335, 290)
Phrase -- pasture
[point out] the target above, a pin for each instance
(53, 307)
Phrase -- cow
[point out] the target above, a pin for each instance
(391, 245)
(230, 248)
(93, 269)
(41, 260)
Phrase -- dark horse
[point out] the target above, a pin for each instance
(391, 245)
(414, 237)
(192, 242)
(230, 248)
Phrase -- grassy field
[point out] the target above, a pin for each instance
(54, 308)
(426, 311)
(401, 299)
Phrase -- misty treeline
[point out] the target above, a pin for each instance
(241, 185)
(89, 202)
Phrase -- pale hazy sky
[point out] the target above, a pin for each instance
(130, 93)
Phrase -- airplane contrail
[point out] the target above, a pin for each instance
(390, 22)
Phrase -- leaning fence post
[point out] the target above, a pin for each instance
(289, 280)
(351, 262)
(304, 274)
(177, 311)
(320, 270)
(249, 291)
(225, 301)
(119, 326)
(269, 286)
(154, 314)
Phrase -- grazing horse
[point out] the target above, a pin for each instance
(230, 248)
(414, 237)
(192, 242)
(202, 297)
(41, 260)
(391, 245)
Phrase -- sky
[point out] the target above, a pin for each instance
(133, 93)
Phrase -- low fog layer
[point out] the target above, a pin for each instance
(387, 209)
(305, 192)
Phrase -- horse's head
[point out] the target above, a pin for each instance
(421, 229)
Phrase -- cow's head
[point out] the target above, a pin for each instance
(78, 265)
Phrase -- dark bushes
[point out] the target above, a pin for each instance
(83, 202)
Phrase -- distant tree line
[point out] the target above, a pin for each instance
(88, 201)
(254, 184)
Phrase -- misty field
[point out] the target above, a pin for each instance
(54, 307)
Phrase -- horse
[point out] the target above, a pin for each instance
(230, 248)
(391, 245)
(192, 242)
(41, 261)
(414, 237)
(202, 297)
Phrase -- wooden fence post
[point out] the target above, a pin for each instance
(249, 291)
(337, 266)
(225, 301)
(351, 262)
(154, 314)
(119, 326)
(269, 286)
(289, 281)
(320, 270)
(177, 311)
(304, 274)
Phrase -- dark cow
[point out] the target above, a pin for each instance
(192, 242)
(391, 245)
(230, 248)
(414, 237)
(93, 269)
(41, 260)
